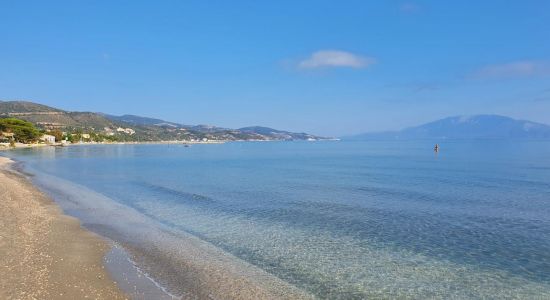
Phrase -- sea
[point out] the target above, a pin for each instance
(322, 220)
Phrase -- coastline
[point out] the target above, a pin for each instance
(46, 254)
(6, 146)
(151, 263)
(178, 263)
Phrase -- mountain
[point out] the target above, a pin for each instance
(138, 120)
(49, 117)
(468, 127)
(254, 132)
(145, 121)
(135, 128)
(24, 107)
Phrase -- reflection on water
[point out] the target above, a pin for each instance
(344, 219)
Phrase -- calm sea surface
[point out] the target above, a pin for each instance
(346, 220)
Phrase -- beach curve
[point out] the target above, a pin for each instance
(46, 254)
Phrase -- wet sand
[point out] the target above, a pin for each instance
(45, 254)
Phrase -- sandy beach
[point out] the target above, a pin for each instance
(44, 253)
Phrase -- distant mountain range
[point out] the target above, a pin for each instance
(145, 121)
(467, 127)
(138, 120)
(137, 128)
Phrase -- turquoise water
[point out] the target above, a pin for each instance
(338, 220)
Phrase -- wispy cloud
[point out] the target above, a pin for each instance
(543, 96)
(541, 99)
(409, 7)
(517, 69)
(425, 87)
(335, 58)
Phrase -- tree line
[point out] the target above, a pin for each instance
(20, 131)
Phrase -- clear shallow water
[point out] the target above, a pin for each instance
(335, 219)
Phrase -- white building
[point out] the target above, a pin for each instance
(48, 139)
(129, 131)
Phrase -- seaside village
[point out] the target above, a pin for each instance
(19, 133)
(16, 133)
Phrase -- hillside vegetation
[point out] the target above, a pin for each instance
(101, 126)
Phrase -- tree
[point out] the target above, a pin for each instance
(58, 135)
(23, 131)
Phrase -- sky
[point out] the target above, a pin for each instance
(325, 67)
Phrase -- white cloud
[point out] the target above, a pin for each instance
(335, 58)
(527, 68)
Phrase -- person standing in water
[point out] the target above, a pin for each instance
(436, 148)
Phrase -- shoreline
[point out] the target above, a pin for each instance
(152, 263)
(6, 146)
(177, 263)
(45, 253)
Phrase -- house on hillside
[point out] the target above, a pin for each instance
(129, 131)
(48, 139)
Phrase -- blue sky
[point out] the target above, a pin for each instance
(325, 67)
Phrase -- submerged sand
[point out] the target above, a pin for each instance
(45, 254)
